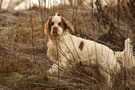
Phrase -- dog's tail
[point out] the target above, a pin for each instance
(128, 51)
(128, 46)
(126, 57)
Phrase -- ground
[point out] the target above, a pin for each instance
(23, 60)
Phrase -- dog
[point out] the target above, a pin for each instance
(126, 57)
(66, 49)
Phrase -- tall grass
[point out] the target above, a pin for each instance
(23, 61)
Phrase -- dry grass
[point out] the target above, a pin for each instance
(23, 61)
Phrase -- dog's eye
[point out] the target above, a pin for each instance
(59, 23)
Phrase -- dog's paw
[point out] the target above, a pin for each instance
(52, 70)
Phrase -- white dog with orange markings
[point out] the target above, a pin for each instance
(65, 48)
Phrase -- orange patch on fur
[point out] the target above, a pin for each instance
(81, 45)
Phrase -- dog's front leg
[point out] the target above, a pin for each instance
(53, 69)
(59, 65)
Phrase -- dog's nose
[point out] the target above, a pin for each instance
(55, 30)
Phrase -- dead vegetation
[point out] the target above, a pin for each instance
(23, 61)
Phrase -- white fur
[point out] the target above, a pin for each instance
(65, 50)
(56, 19)
(126, 57)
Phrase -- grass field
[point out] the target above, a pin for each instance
(23, 60)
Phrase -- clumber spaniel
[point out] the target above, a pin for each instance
(65, 48)
(126, 57)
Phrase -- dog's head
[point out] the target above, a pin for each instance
(57, 25)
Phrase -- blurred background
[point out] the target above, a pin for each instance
(23, 60)
(27, 4)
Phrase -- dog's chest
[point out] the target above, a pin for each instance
(57, 50)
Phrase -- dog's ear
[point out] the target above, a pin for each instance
(68, 25)
(47, 28)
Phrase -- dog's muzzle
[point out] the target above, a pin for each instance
(55, 30)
